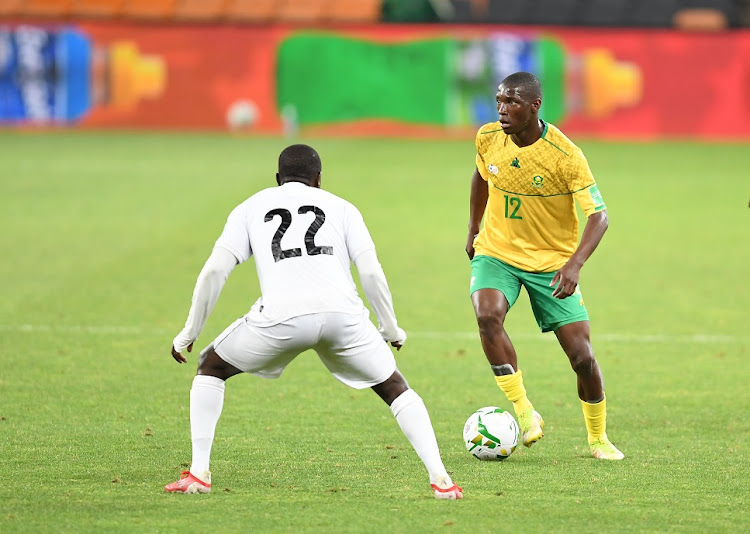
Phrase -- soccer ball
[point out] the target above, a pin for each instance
(242, 114)
(491, 433)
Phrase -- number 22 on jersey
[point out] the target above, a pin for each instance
(286, 221)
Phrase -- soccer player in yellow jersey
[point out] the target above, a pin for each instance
(527, 179)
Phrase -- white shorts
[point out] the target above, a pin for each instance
(349, 345)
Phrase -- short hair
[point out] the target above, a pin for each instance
(299, 161)
(527, 82)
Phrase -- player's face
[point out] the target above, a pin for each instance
(515, 111)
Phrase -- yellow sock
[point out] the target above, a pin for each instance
(595, 416)
(512, 386)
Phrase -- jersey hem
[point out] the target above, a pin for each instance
(255, 320)
(526, 269)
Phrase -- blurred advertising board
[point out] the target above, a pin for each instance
(378, 80)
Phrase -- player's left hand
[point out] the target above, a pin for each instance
(178, 355)
(566, 280)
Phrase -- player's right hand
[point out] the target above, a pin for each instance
(177, 355)
(470, 245)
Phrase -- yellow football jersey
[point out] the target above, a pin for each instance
(530, 221)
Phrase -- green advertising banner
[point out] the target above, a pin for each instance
(329, 78)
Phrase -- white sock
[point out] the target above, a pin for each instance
(411, 414)
(206, 401)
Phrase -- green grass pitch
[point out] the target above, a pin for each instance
(103, 235)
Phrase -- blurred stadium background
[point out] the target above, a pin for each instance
(627, 69)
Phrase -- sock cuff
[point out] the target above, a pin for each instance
(512, 385)
(205, 381)
(509, 379)
(594, 403)
(407, 398)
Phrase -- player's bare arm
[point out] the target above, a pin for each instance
(477, 205)
(567, 277)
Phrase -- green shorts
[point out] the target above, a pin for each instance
(550, 313)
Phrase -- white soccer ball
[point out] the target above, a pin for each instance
(242, 114)
(491, 433)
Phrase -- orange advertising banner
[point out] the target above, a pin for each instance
(377, 80)
(205, 71)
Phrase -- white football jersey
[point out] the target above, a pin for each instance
(303, 239)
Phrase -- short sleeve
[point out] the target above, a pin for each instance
(590, 199)
(235, 237)
(481, 166)
(581, 182)
(577, 172)
(358, 237)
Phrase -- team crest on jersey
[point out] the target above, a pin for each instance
(537, 181)
(493, 169)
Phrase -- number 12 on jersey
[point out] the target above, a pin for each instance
(512, 205)
(286, 221)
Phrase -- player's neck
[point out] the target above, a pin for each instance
(529, 135)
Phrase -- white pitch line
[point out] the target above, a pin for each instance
(84, 329)
(418, 334)
(620, 338)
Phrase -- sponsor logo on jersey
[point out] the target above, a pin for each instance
(515, 163)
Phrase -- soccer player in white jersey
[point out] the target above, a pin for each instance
(303, 240)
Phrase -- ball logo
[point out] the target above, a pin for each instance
(537, 181)
(491, 434)
(493, 169)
